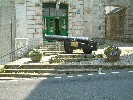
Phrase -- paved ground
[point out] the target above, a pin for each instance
(111, 85)
(126, 58)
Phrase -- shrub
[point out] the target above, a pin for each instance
(112, 50)
(1, 68)
(35, 52)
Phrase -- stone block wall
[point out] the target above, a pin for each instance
(75, 14)
(128, 33)
(29, 21)
(85, 18)
(34, 22)
(94, 20)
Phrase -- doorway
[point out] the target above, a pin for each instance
(55, 26)
(55, 21)
(114, 22)
(57, 29)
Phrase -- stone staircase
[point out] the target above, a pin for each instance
(54, 63)
(24, 68)
(53, 46)
(41, 70)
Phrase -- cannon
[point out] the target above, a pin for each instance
(72, 43)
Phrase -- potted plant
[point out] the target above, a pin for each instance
(112, 53)
(35, 55)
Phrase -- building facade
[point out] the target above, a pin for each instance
(25, 21)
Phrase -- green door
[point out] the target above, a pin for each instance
(55, 26)
(49, 25)
(63, 26)
(55, 21)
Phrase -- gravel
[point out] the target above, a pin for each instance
(126, 57)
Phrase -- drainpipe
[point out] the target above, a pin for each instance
(11, 41)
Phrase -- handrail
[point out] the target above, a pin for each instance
(12, 52)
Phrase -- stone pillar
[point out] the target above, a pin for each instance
(87, 18)
(21, 22)
(21, 45)
(94, 20)
(128, 34)
(75, 13)
(34, 22)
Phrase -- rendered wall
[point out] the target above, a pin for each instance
(7, 31)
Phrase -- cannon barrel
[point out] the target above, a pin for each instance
(72, 43)
(65, 38)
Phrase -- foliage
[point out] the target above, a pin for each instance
(112, 50)
(1, 68)
(35, 52)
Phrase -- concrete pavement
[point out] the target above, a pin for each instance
(109, 85)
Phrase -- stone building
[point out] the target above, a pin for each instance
(22, 22)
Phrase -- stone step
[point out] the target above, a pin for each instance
(53, 46)
(55, 71)
(77, 55)
(52, 66)
(51, 52)
(65, 60)
(71, 58)
(26, 75)
(66, 66)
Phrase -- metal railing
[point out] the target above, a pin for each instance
(11, 54)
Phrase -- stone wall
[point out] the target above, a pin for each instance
(29, 21)
(85, 18)
(128, 33)
(34, 22)
(75, 14)
(94, 20)
(89, 21)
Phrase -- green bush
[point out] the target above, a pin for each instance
(1, 68)
(35, 52)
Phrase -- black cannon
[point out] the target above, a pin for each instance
(72, 43)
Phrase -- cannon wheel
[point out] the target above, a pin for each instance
(87, 49)
(67, 47)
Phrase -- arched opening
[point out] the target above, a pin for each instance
(114, 28)
(55, 17)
